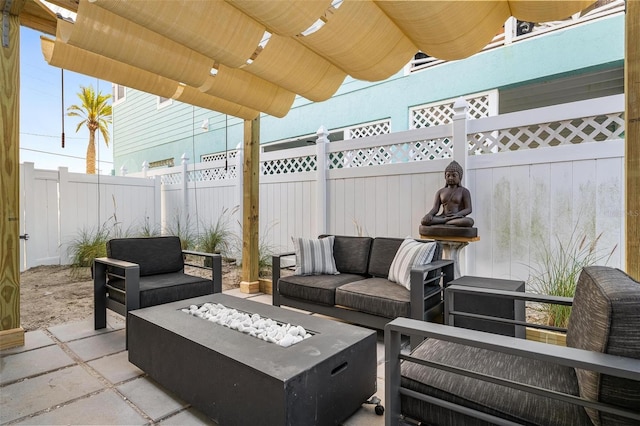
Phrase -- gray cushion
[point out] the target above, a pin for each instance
(351, 254)
(155, 255)
(314, 256)
(605, 318)
(383, 250)
(377, 296)
(165, 288)
(314, 288)
(487, 397)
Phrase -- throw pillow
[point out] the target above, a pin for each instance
(410, 253)
(314, 256)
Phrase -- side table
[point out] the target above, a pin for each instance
(489, 305)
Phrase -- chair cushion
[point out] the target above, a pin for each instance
(605, 318)
(314, 256)
(154, 255)
(383, 250)
(165, 288)
(314, 288)
(514, 405)
(351, 254)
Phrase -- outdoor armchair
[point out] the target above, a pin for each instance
(461, 376)
(142, 272)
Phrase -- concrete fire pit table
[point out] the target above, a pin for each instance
(237, 379)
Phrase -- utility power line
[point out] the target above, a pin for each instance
(62, 155)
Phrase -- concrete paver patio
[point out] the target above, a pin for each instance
(73, 374)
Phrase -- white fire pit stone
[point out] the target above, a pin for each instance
(254, 325)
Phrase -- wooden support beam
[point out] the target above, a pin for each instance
(11, 334)
(250, 207)
(632, 138)
(37, 16)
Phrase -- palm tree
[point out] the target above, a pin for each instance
(96, 114)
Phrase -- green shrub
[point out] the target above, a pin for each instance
(216, 236)
(148, 230)
(559, 268)
(88, 245)
(265, 251)
(183, 230)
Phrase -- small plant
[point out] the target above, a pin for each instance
(88, 245)
(183, 230)
(559, 268)
(265, 251)
(216, 236)
(148, 230)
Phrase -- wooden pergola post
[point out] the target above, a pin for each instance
(250, 207)
(11, 334)
(632, 138)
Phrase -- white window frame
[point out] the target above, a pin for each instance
(163, 102)
(116, 99)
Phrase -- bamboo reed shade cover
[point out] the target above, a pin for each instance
(251, 56)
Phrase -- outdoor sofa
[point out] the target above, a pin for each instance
(142, 272)
(361, 292)
(461, 376)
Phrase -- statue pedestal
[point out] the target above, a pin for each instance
(451, 248)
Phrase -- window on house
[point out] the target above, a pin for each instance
(167, 162)
(163, 102)
(119, 93)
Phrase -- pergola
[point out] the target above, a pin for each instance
(247, 57)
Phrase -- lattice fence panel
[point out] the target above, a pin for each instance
(424, 150)
(219, 156)
(439, 114)
(381, 128)
(289, 165)
(171, 179)
(213, 174)
(580, 130)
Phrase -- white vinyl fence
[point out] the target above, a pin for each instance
(535, 178)
(57, 207)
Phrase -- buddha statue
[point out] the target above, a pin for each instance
(451, 208)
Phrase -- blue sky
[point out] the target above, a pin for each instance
(41, 112)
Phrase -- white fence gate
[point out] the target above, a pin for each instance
(56, 206)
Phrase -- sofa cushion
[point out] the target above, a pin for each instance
(165, 288)
(383, 250)
(314, 288)
(379, 296)
(411, 253)
(314, 256)
(514, 405)
(154, 255)
(605, 318)
(351, 253)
